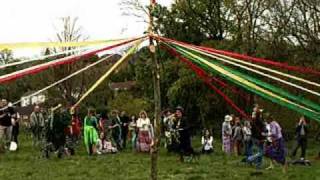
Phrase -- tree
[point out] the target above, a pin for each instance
(5, 56)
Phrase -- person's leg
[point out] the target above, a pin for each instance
(295, 149)
(259, 156)
(238, 148)
(2, 138)
(8, 133)
(303, 147)
(124, 138)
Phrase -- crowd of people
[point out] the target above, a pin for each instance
(61, 129)
(263, 134)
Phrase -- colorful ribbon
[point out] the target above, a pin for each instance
(107, 74)
(66, 60)
(259, 72)
(55, 44)
(206, 78)
(254, 88)
(248, 58)
(41, 58)
(66, 78)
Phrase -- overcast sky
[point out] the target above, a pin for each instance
(34, 20)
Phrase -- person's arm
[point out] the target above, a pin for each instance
(235, 133)
(210, 140)
(202, 140)
(139, 124)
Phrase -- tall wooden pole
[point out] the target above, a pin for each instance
(157, 96)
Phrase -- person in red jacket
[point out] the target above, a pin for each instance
(75, 128)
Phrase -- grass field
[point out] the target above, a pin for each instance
(26, 164)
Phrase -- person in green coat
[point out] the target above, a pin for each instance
(90, 132)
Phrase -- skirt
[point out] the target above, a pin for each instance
(144, 141)
(90, 137)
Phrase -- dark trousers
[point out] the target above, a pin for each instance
(117, 140)
(15, 133)
(124, 137)
(301, 143)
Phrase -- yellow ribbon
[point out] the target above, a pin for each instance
(244, 81)
(54, 44)
(108, 73)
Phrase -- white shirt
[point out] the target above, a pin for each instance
(143, 124)
(207, 143)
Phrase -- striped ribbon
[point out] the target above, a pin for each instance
(108, 73)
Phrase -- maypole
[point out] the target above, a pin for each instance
(157, 97)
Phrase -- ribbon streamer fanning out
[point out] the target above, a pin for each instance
(54, 44)
(131, 51)
(67, 60)
(65, 79)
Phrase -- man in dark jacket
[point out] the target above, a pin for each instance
(301, 137)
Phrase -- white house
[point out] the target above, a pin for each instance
(37, 99)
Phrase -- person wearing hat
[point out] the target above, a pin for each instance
(226, 134)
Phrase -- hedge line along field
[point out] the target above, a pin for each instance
(26, 164)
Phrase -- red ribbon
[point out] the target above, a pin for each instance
(247, 58)
(45, 66)
(207, 79)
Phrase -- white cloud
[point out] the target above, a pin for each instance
(34, 20)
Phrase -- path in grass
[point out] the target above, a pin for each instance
(25, 164)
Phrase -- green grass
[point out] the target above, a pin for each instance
(26, 164)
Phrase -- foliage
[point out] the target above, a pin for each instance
(124, 101)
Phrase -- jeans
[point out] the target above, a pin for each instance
(248, 148)
(257, 157)
(5, 135)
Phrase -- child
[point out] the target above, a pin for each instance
(207, 141)
(104, 146)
